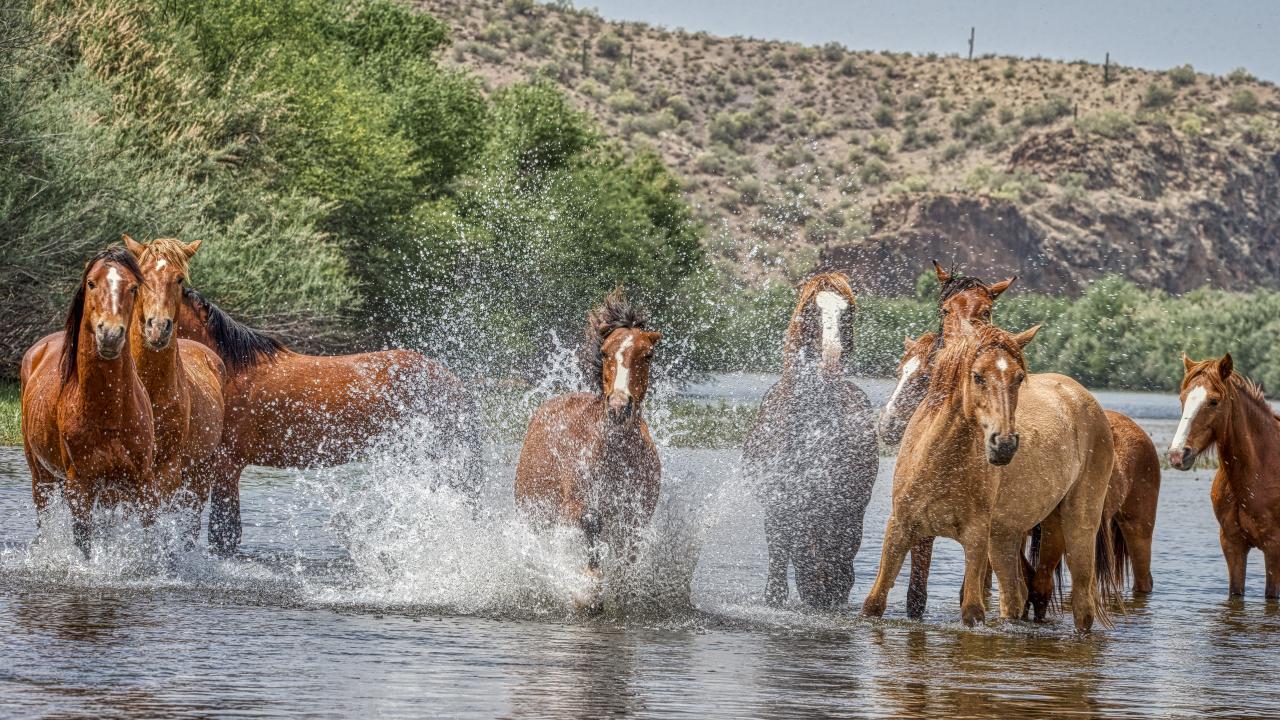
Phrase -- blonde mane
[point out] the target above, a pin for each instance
(171, 250)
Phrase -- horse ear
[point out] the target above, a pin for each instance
(943, 275)
(908, 342)
(1225, 366)
(1001, 287)
(135, 247)
(1187, 363)
(1024, 338)
(654, 337)
(191, 248)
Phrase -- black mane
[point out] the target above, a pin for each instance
(616, 312)
(75, 315)
(239, 345)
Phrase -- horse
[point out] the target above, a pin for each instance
(990, 453)
(811, 457)
(1222, 408)
(182, 378)
(588, 460)
(87, 427)
(288, 409)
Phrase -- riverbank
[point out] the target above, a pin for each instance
(10, 406)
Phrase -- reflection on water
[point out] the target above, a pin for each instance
(329, 613)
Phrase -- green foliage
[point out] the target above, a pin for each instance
(1158, 96)
(1181, 76)
(1045, 112)
(1243, 102)
(10, 410)
(609, 46)
(1108, 123)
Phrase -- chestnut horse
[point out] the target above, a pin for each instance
(287, 409)
(811, 457)
(588, 460)
(1224, 409)
(86, 420)
(990, 453)
(183, 378)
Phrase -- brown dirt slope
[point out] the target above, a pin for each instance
(801, 156)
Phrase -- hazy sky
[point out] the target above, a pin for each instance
(1215, 37)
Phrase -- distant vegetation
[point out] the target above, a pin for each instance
(344, 182)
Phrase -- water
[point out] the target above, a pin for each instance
(360, 592)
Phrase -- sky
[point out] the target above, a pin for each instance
(1214, 36)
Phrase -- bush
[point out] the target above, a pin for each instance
(1244, 102)
(1181, 76)
(1109, 123)
(1240, 76)
(883, 116)
(1158, 96)
(1047, 111)
(609, 46)
(874, 172)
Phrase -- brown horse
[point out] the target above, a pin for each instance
(1224, 409)
(288, 409)
(990, 453)
(811, 457)
(588, 460)
(183, 378)
(86, 420)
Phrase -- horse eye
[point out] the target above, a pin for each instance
(1213, 403)
(978, 379)
(92, 285)
(133, 290)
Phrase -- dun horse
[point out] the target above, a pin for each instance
(1132, 496)
(811, 457)
(289, 409)
(990, 453)
(588, 460)
(86, 419)
(1222, 408)
(183, 378)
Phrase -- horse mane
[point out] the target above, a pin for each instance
(836, 282)
(957, 284)
(170, 250)
(955, 360)
(239, 345)
(75, 315)
(1239, 383)
(614, 313)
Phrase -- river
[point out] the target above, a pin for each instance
(359, 592)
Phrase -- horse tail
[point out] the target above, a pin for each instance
(1106, 575)
(1121, 562)
(1032, 562)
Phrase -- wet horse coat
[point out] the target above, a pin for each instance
(87, 427)
(588, 460)
(811, 457)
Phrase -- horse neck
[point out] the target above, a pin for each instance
(806, 363)
(1246, 442)
(190, 324)
(944, 431)
(160, 371)
(105, 386)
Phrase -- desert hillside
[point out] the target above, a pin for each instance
(801, 156)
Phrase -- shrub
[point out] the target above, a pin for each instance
(1240, 76)
(609, 46)
(1047, 111)
(883, 116)
(1108, 123)
(874, 172)
(1181, 76)
(1158, 96)
(1243, 101)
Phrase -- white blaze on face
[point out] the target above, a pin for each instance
(114, 280)
(622, 373)
(909, 369)
(161, 263)
(1002, 364)
(1191, 408)
(832, 305)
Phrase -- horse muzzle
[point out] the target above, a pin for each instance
(110, 341)
(890, 428)
(620, 406)
(1001, 448)
(158, 333)
(1182, 459)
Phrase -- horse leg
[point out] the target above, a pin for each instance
(775, 585)
(850, 542)
(1080, 529)
(79, 496)
(976, 542)
(224, 504)
(1137, 536)
(1272, 558)
(592, 527)
(896, 545)
(43, 484)
(1235, 551)
(1006, 560)
(1052, 545)
(918, 589)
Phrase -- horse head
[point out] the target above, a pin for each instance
(984, 371)
(617, 354)
(821, 329)
(103, 305)
(164, 268)
(913, 381)
(963, 298)
(1206, 395)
